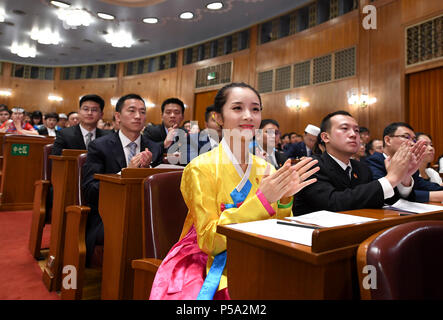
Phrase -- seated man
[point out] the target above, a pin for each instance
(126, 148)
(346, 184)
(78, 136)
(4, 113)
(394, 135)
(374, 146)
(49, 125)
(304, 148)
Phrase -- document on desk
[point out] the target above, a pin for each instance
(413, 207)
(329, 219)
(270, 228)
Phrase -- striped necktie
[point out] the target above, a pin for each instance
(132, 150)
(88, 139)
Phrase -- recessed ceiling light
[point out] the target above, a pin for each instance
(214, 6)
(105, 16)
(60, 4)
(186, 15)
(150, 20)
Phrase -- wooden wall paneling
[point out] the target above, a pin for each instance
(202, 101)
(425, 98)
(413, 11)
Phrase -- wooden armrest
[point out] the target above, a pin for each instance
(146, 264)
(144, 274)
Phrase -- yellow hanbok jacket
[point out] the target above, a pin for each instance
(206, 185)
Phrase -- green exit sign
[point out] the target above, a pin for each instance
(20, 149)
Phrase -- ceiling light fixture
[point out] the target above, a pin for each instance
(73, 18)
(119, 39)
(150, 20)
(45, 36)
(23, 50)
(60, 4)
(214, 6)
(105, 16)
(187, 15)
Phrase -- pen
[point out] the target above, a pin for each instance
(296, 224)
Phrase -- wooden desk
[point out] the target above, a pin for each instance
(64, 180)
(265, 268)
(22, 166)
(120, 207)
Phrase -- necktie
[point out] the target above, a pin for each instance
(88, 139)
(132, 149)
(348, 172)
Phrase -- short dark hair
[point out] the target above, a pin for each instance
(264, 122)
(4, 107)
(222, 95)
(71, 113)
(52, 115)
(285, 135)
(364, 129)
(390, 129)
(121, 101)
(36, 114)
(208, 111)
(95, 98)
(326, 122)
(173, 101)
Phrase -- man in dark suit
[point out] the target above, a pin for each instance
(78, 136)
(126, 148)
(394, 135)
(49, 125)
(346, 184)
(304, 148)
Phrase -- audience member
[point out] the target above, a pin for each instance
(17, 124)
(113, 152)
(224, 186)
(267, 141)
(73, 119)
(4, 113)
(62, 119)
(37, 119)
(49, 126)
(365, 135)
(395, 136)
(80, 135)
(426, 172)
(374, 146)
(345, 184)
(304, 148)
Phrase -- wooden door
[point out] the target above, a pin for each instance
(202, 101)
(425, 104)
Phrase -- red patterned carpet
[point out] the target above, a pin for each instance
(20, 274)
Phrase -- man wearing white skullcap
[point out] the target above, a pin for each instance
(304, 148)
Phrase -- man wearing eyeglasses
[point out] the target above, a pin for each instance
(79, 136)
(395, 136)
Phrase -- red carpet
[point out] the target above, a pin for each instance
(20, 274)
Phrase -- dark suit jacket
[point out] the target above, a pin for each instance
(281, 158)
(72, 138)
(334, 191)
(156, 133)
(44, 131)
(106, 155)
(421, 188)
(296, 150)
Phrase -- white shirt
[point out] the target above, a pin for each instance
(388, 190)
(126, 141)
(51, 132)
(85, 132)
(433, 175)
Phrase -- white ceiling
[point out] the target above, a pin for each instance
(86, 45)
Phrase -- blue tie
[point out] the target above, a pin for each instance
(132, 150)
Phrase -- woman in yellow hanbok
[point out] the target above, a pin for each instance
(224, 186)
